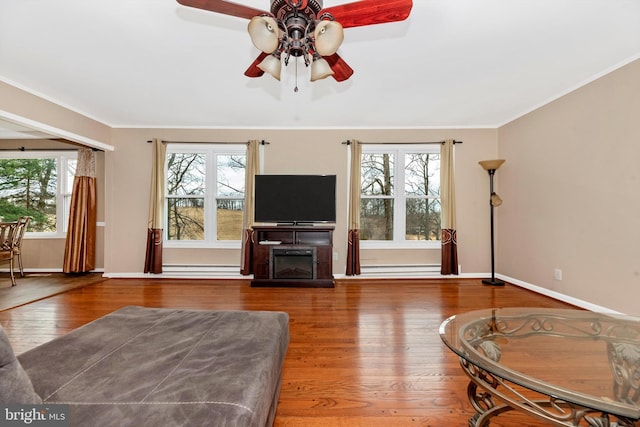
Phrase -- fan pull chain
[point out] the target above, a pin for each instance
(295, 89)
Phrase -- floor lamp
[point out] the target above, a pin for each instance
(494, 200)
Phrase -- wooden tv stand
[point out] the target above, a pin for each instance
(293, 256)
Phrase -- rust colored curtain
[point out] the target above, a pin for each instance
(252, 168)
(353, 238)
(80, 246)
(153, 256)
(449, 262)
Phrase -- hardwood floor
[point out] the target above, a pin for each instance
(35, 286)
(365, 353)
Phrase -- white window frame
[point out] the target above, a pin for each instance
(399, 197)
(63, 197)
(211, 151)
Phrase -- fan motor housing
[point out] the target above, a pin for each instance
(299, 19)
(281, 9)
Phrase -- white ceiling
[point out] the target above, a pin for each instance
(453, 63)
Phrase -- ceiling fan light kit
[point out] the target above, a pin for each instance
(271, 64)
(264, 33)
(320, 69)
(303, 29)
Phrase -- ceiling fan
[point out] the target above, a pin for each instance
(302, 28)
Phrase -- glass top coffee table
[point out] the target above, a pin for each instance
(565, 367)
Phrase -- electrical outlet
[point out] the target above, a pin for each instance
(557, 274)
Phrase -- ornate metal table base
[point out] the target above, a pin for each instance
(485, 389)
(500, 384)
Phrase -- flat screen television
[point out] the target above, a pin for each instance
(295, 199)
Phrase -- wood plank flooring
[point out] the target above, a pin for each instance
(365, 353)
(36, 286)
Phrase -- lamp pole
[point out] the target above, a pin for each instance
(491, 166)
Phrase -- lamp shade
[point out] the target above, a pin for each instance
(264, 33)
(329, 36)
(495, 200)
(271, 65)
(320, 69)
(491, 164)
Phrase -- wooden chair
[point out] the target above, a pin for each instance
(21, 227)
(7, 240)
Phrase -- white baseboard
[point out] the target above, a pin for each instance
(558, 296)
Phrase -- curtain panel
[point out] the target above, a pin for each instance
(353, 238)
(80, 246)
(153, 255)
(252, 169)
(449, 262)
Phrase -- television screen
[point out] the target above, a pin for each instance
(295, 199)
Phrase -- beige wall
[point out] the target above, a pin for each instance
(47, 254)
(570, 189)
(128, 170)
(16, 102)
(127, 173)
(569, 186)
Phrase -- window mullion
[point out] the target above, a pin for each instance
(61, 190)
(210, 226)
(399, 196)
(59, 197)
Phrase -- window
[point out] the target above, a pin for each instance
(400, 194)
(204, 194)
(37, 184)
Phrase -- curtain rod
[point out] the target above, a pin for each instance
(404, 143)
(263, 142)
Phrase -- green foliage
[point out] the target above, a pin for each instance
(28, 187)
(10, 212)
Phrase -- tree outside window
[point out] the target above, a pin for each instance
(377, 200)
(400, 198)
(422, 196)
(230, 195)
(37, 185)
(205, 192)
(186, 173)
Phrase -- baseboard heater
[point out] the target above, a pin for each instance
(196, 270)
(400, 270)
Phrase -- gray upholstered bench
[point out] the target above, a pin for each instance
(164, 367)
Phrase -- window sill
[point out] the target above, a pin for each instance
(43, 236)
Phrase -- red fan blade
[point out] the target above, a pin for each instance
(369, 12)
(340, 68)
(253, 70)
(224, 7)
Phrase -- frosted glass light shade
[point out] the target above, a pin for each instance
(271, 65)
(495, 200)
(329, 35)
(320, 69)
(264, 33)
(491, 164)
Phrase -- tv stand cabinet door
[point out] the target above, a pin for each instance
(324, 265)
(261, 261)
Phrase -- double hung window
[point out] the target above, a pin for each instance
(400, 195)
(204, 194)
(37, 184)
